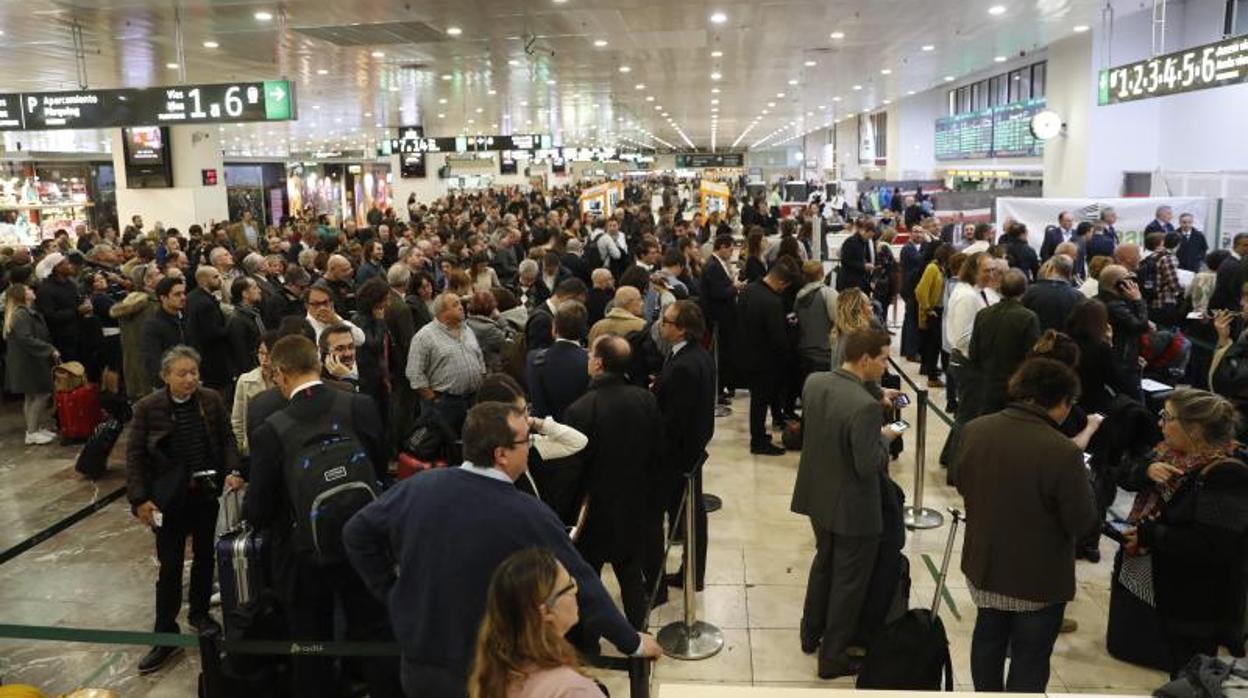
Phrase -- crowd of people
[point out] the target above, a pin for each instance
(562, 371)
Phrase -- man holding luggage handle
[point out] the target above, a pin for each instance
(179, 448)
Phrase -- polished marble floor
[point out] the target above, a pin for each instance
(101, 572)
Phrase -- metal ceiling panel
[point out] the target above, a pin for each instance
(384, 34)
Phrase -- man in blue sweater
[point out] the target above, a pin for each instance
(428, 547)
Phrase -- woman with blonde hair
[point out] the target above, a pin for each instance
(853, 312)
(521, 649)
(29, 357)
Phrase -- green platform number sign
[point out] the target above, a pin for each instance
(277, 100)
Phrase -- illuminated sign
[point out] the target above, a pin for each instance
(1003, 131)
(237, 102)
(691, 160)
(1212, 65)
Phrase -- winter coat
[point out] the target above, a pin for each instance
(130, 315)
(28, 354)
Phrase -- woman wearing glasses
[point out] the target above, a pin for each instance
(521, 650)
(1179, 579)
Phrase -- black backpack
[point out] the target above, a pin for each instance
(329, 477)
(1147, 275)
(593, 256)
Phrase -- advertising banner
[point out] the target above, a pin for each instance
(1133, 214)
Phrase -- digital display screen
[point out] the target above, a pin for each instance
(412, 165)
(506, 163)
(692, 160)
(1212, 65)
(145, 145)
(1003, 131)
(268, 100)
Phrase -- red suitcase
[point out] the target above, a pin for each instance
(78, 411)
(409, 465)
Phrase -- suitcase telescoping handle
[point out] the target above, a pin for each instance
(956, 518)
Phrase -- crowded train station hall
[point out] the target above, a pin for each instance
(583, 348)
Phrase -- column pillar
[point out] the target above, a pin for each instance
(192, 149)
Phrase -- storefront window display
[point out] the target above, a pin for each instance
(371, 188)
(259, 188)
(37, 199)
(315, 189)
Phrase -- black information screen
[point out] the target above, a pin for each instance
(692, 160)
(268, 100)
(1212, 65)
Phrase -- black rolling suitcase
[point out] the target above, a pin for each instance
(912, 652)
(93, 459)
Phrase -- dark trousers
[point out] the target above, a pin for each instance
(196, 517)
(840, 576)
(764, 395)
(930, 347)
(1027, 637)
(426, 681)
(317, 590)
(630, 574)
(453, 409)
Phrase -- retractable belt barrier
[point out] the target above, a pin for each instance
(917, 515)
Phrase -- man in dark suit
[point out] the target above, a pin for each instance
(912, 266)
(1052, 296)
(539, 330)
(557, 375)
(1192, 247)
(206, 329)
(1002, 337)
(762, 339)
(1161, 221)
(1229, 284)
(1108, 218)
(718, 295)
(857, 258)
(951, 233)
(574, 261)
(619, 470)
(839, 478)
(1055, 235)
(309, 589)
(686, 393)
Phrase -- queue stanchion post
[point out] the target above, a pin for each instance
(917, 516)
(690, 638)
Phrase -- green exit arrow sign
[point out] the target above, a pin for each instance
(279, 100)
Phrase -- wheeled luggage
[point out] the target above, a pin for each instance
(912, 652)
(93, 459)
(78, 411)
(240, 557)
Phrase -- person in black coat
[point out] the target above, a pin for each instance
(1229, 284)
(912, 266)
(574, 262)
(557, 375)
(1052, 297)
(686, 396)
(718, 295)
(60, 301)
(539, 329)
(308, 590)
(619, 467)
(762, 338)
(1018, 250)
(245, 326)
(1128, 316)
(857, 258)
(165, 329)
(206, 330)
(1193, 246)
(1055, 235)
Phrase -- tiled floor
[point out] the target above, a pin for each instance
(101, 572)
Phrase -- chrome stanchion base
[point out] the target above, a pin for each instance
(697, 641)
(712, 503)
(723, 411)
(922, 518)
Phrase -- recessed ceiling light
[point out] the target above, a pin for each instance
(716, 76)
(771, 104)
(441, 116)
(207, 44)
(811, 64)
(838, 35)
(779, 95)
(719, 18)
(171, 66)
(1081, 28)
(367, 114)
(764, 112)
(948, 78)
(857, 87)
(717, 54)
(886, 71)
(650, 98)
(263, 16)
(524, 104)
(322, 71)
(491, 92)
(928, 47)
(640, 86)
(551, 81)
(999, 59)
(394, 88)
(823, 106)
(378, 54)
(480, 109)
(454, 31)
(996, 10)
(316, 106)
(600, 43)
(888, 101)
(513, 62)
(910, 92)
(446, 76)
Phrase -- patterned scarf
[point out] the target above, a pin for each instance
(1149, 502)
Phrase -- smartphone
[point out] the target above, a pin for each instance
(900, 426)
(158, 519)
(901, 400)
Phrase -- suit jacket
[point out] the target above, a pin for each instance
(854, 258)
(539, 330)
(619, 465)
(1002, 337)
(1192, 250)
(578, 267)
(1052, 300)
(686, 393)
(718, 294)
(1053, 236)
(1156, 226)
(762, 333)
(206, 331)
(556, 377)
(243, 334)
(1024, 513)
(838, 476)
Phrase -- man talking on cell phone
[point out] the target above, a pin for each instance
(840, 480)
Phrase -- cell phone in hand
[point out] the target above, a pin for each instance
(899, 426)
(158, 519)
(901, 400)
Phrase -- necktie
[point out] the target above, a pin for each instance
(984, 294)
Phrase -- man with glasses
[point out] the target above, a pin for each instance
(402, 545)
(321, 313)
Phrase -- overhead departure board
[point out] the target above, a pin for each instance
(1212, 65)
(692, 160)
(1011, 130)
(237, 102)
(994, 132)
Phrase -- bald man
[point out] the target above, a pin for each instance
(624, 316)
(339, 275)
(1128, 317)
(1128, 256)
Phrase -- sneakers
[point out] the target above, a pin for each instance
(39, 438)
(157, 658)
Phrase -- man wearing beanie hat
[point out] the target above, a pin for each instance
(62, 304)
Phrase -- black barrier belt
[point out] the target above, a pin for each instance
(940, 413)
(904, 375)
(61, 525)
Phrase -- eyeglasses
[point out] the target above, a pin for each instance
(553, 598)
(1167, 417)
